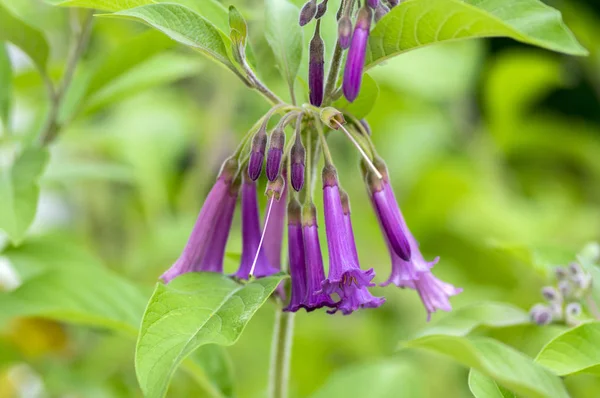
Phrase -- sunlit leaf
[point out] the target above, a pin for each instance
(19, 192)
(464, 320)
(31, 41)
(418, 23)
(504, 364)
(184, 26)
(193, 310)
(484, 387)
(364, 103)
(217, 369)
(6, 84)
(576, 350)
(285, 37)
(377, 380)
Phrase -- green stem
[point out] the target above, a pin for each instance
(260, 86)
(281, 352)
(82, 36)
(326, 152)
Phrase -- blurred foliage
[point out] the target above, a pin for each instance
(492, 146)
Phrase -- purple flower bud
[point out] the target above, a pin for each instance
(345, 274)
(393, 3)
(561, 273)
(381, 11)
(551, 294)
(541, 315)
(205, 248)
(565, 288)
(257, 156)
(251, 233)
(296, 257)
(575, 269)
(316, 69)
(321, 9)
(298, 158)
(344, 32)
(373, 3)
(308, 12)
(315, 298)
(275, 154)
(573, 309)
(355, 61)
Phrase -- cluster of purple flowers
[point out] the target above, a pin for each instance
(345, 287)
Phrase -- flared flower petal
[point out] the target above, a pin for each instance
(435, 293)
(357, 299)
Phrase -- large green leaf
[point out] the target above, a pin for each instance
(193, 310)
(484, 387)
(464, 320)
(387, 379)
(31, 41)
(364, 103)
(19, 192)
(87, 295)
(285, 37)
(184, 26)
(6, 84)
(216, 366)
(504, 364)
(576, 350)
(417, 23)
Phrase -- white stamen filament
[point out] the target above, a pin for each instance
(262, 237)
(362, 152)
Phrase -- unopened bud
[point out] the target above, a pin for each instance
(575, 269)
(381, 11)
(316, 69)
(329, 176)
(344, 32)
(373, 3)
(393, 3)
(541, 315)
(229, 169)
(298, 158)
(257, 156)
(332, 117)
(561, 273)
(565, 288)
(275, 154)
(321, 9)
(573, 309)
(275, 188)
(551, 294)
(308, 12)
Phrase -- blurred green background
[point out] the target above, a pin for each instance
(494, 152)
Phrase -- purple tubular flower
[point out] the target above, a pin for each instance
(205, 248)
(381, 11)
(251, 233)
(355, 61)
(315, 275)
(344, 32)
(389, 216)
(373, 3)
(296, 257)
(345, 274)
(434, 293)
(275, 154)
(257, 156)
(274, 228)
(316, 68)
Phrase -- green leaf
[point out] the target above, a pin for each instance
(6, 84)
(504, 364)
(418, 23)
(389, 379)
(86, 295)
(216, 367)
(184, 26)
(31, 41)
(237, 23)
(464, 320)
(19, 192)
(193, 310)
(284, 35)
(127, 56)
(575, 351)
(364, 103)
(484, 387)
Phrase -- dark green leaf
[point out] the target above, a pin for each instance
(577, 350)
(364, 103)
(193, 310)
(484, 387)
(504, 364)
(464, 320)
(31, 41)
(184, 26)
(285, 37)
(19, 192)
(417, 23)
